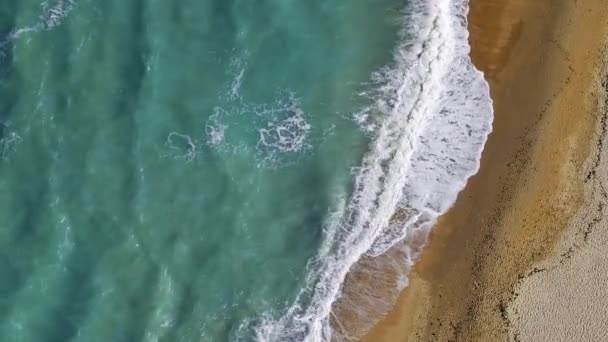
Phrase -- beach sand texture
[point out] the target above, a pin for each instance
(521, 255)
(568, 291)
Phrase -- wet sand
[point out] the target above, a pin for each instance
(519, 257)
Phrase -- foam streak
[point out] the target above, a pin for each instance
(434, 113)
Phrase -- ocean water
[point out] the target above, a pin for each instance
(211, 170)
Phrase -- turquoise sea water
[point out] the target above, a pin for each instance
(209, 170)
(167, 166)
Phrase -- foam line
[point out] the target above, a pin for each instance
(432, 113)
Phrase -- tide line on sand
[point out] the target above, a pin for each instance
(508, 262)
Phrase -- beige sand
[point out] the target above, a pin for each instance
(565, 297)
(479, 277)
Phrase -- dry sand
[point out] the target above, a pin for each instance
(521, 256)
(565, 297)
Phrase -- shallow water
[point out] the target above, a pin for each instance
(167, 166)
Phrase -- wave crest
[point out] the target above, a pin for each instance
(430, 119)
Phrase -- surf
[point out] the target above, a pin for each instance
(430, 116)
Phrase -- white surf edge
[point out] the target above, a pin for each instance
(436, 114)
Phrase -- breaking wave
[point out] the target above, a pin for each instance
(430, 118)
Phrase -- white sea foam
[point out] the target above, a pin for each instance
(215, 133)
(285, 137)
(279, 133)
(181, 147)
(237, 67)
(430, 119)
(53, 13)
(287, 134)
(9, 140)
(235, 87)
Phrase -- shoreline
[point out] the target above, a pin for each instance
(541, 60)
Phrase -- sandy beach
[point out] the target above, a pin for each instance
(520, 257)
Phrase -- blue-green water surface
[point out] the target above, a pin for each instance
(167, 166)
